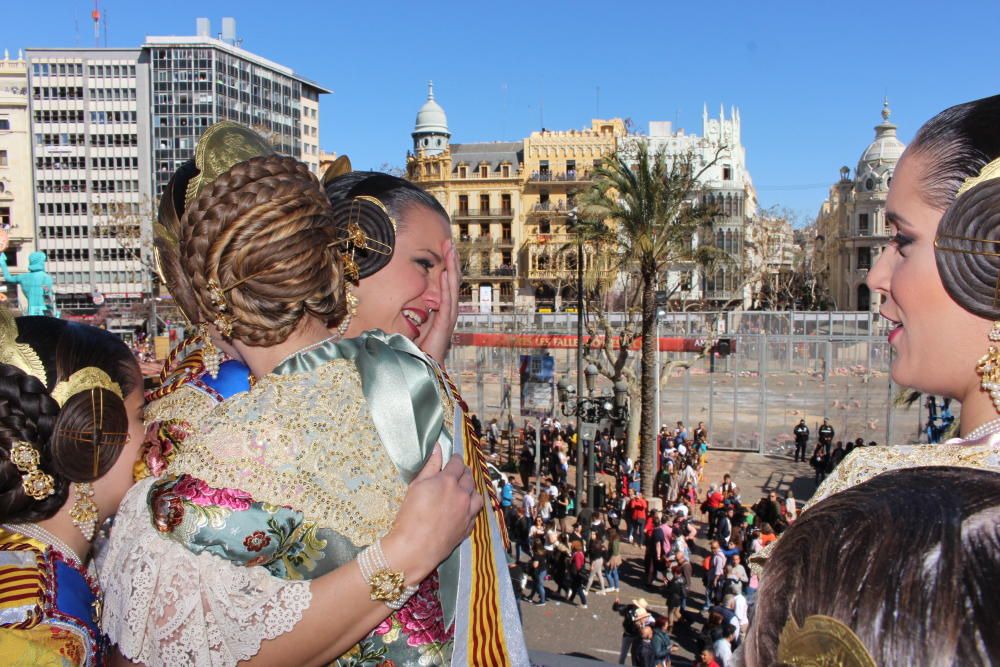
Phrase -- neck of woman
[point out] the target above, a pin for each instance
(263, 360)
(977, 409)
(61, 526)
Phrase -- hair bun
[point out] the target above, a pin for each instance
(372, 254)
(967, 250)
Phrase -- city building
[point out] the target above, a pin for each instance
(201, 79)
(510, 204)
(727, 185)
(17, 211)
(851, 229)
(90, 167)
(109, 128)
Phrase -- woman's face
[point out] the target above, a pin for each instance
(937, 342)
(111, 488)
(403, 297)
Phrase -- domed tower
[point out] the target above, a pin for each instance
(430, 134)
(877, 163)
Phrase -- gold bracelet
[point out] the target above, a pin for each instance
(387, 585)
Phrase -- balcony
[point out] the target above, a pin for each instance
(558, 208)
(482, 213)
(502, 272)
(572, 176)
(484, 241)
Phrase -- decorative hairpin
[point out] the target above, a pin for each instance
(217, 295)
(85, 379)
(37, 484)
(354, 237)
(822, 641)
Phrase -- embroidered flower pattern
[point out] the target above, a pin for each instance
(200, 493)
(256, 541)
(421, 622)
(167, 508)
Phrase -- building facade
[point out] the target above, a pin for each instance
(110, 126)
(724, 184)
(509, 203)
(17, 210)
(202, 79)
(90, 166)
(851, 228)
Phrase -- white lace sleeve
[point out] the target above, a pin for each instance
(164, 605)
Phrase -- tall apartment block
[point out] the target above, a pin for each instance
(199, 80)
(91, 165)
(110, 126)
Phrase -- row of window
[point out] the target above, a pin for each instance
(61, 162)
(63, 208)
(81, 186)
(102, 140)
(76, 69)
(88, 278)
(76, 93)
(84, 232)
(84, 254)
(114, 163)
(102, 117)
(59, 116)
(59, 139)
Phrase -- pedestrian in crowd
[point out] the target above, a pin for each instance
(577, 571)
(506, 494)
(791, 509)
(493, 435)
(836, 456)
(614, 560)
(526, 463)
(544, 509)
(539, 570)
(700, 434)
(537, 530)
(662, 645)
(634, 617)
(801, 432)
(722, 644)
(477, 426)
(707, 658)
(529, 502)
(597, 549)
(519, 531)
(826, 434)
(636, 513)
(818, 461)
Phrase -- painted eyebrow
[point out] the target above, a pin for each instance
(896, 219)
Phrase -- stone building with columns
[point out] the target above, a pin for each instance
(851, 229)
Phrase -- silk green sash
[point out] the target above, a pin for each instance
(401, 388)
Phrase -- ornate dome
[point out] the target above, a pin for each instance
(878, 161)
(431, 117)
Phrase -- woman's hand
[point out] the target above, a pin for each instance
(437, 514)
(437, 340)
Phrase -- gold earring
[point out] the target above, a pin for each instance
(352, 310)
(84, 512)
(989, 368)
(211, 356)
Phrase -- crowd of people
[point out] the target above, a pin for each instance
(826, 454)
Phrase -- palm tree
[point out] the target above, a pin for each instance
(643, 207)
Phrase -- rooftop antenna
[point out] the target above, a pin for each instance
(96, 16)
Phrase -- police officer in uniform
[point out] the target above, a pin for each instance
(826, 436)
(801, 440)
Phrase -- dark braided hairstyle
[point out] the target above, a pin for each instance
(65, 437)
(262, 230)
(954, 146)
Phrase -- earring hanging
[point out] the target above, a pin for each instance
(211, 356)
(989, 367)
(352, 310)
(84, 512)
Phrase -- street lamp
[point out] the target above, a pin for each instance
(592, 409)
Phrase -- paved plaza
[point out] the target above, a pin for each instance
(595, 633)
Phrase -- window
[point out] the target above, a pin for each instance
(864, 258)
(463, 171)
(484, 171)
(863, 228)
(5, 217)
(505, 171)
(505, 208)
(544, 227)
(484, 204)
(463, 204)
(727, 172)
(4, 123)
(3, 158)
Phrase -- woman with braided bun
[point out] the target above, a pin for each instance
(70, 428)
(288, 528)
(940, 283)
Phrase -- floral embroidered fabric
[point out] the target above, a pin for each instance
(165, 605)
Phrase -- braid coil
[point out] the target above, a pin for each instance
(262, 230)
(967, 250)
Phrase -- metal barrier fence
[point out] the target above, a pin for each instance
(783, 367)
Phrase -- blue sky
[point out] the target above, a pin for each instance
(808, 77)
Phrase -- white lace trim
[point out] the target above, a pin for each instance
(164, 605)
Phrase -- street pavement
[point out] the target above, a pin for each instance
(595, 633)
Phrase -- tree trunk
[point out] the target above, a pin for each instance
(647, 415)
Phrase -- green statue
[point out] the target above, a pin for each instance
(36, 284)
